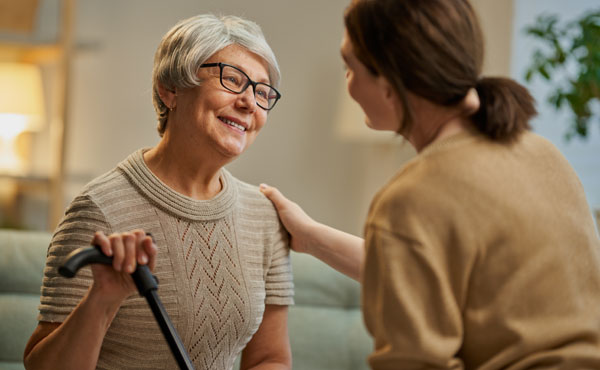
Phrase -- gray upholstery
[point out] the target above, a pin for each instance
(325, 325)
(22, 258)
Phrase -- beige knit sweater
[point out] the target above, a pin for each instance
(219, 262)
(483, 256)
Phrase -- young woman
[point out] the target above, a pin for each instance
(481, 252)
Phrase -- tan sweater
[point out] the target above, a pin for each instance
(483, 256)
(219, 262)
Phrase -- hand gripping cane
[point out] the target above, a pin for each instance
(147, 285)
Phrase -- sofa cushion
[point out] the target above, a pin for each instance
(315, 283)
(325, 325)
(23, 255)
(18, 313)
(23, 259)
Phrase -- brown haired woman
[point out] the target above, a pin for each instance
(481, 252)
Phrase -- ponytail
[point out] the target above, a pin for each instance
(505, 109)
(434, 49)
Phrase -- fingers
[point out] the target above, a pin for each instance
(103, 242)
(127, 249)
(274, 195)
(150, 249)
(140, 255)
(118, 251)
(129, 258)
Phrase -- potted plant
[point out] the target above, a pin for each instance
(569, 60)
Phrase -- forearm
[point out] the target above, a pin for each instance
(76, 343)
(340, 250)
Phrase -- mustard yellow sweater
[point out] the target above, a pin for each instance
(483, 255)
(219, 262)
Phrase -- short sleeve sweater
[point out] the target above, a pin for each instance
(219, 262)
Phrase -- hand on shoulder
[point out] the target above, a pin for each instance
(296, 221)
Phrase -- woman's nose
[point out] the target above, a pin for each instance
(247, 100)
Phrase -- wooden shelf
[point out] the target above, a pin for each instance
(31, 53)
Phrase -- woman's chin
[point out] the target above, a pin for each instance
(232, 150)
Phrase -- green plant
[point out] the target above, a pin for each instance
(570, 62)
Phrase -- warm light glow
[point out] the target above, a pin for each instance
(20, 96)
(10, 161)
(11, 125)
(21, 109)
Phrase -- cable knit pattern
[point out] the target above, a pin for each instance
(219, 262)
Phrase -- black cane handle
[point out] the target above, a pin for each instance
(142, 277)
(82, 257)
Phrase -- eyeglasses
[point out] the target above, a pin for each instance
(235, 80)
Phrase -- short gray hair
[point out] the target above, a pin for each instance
(191, 42)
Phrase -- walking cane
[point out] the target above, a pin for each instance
(147, 285)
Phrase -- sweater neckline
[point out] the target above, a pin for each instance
(450, 141)
(138, 173)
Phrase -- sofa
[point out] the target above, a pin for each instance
(325, 325)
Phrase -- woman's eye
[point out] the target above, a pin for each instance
(232, 79)
(263, 94)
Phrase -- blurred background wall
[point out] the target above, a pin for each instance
(313, 147)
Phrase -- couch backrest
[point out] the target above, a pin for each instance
(22, 258)
(325, 325)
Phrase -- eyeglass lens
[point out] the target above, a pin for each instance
(237, 81)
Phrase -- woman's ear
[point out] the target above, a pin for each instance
(167, 96)
(387, 91)
(386, 88)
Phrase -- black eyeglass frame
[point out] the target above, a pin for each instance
(250, 82)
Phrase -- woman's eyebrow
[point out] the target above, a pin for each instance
(265, 80)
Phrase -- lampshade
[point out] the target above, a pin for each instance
(21, 98)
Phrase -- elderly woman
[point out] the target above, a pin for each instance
(217, 246)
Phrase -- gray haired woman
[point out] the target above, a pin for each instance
(218, 248)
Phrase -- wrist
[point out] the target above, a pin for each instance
(317, 239)
(104, 304)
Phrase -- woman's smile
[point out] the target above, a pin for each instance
(234, 123)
